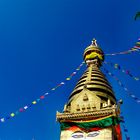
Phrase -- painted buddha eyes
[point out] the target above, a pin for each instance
(93, 134)
(77, 136)
(80, 134)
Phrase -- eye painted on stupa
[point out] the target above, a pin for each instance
(77, 134)
(93, 134)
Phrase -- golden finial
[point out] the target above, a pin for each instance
(93, 52)
(94, 42)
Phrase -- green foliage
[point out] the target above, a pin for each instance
(137, 15)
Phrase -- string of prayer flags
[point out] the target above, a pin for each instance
(125, 132)
(74, 73)
(124, 127)
(34, 102)
(124, 52)
(136, 48)
(118, 67)
(122, 85)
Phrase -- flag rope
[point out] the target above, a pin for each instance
(23, 109)
(125, 130)
(136, 48)
(122, 85)
(118, 67)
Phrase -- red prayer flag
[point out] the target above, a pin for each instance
(21, 109)
(42, 97)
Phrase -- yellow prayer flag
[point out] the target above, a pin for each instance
(67, 78)
(34, 102)
(12, 114)
(136, 78)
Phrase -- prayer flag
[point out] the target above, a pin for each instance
(133, 96)
(138, 101)
(17, 112)
(34, 102)
(12, 114)
(136, 78)
(42, 97)
(127, 138)
(8, 118)
(67, 78)
(62, 83)
(125, 89)
(21, 109)
(2, 120)
(25, 107)
(74, 72)
(125, 130)
(46, 94)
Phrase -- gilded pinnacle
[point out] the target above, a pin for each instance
(94, 42)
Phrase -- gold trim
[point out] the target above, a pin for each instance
(93, 48)
(95, 78)
(88, 79)
(98, 75)
(64, 117)
(98, 93)
(93, 82)
(93, 86)
(96, 119)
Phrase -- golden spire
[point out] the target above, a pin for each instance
(92, 92)
(91, 100)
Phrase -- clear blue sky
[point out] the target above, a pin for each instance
(42, 42)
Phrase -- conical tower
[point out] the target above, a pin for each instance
(92, 111)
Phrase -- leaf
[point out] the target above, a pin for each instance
(137, 15)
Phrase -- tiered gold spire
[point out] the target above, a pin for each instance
(92, 93)
(92, 104)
